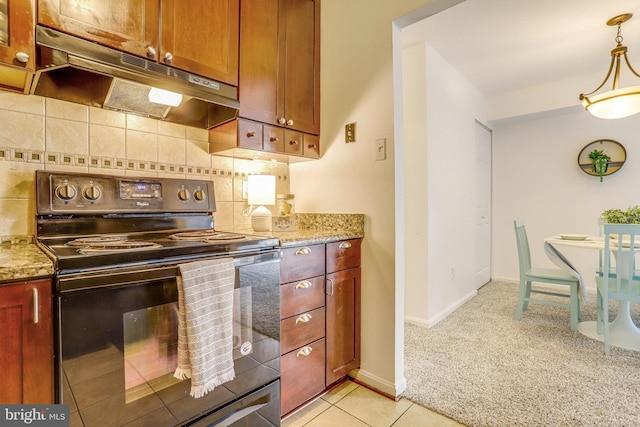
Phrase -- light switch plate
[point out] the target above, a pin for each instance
(381, 148)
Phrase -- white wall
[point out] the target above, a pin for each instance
(440, 109)
(537, 179)
(453, 105)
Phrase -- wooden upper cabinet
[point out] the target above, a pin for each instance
(199, 37)
(302, 65)
(128, 25)
(17, 44)
(280, 63)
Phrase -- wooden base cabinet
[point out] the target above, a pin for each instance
(26, 353)
(320, 318)
(342, 309)
(302, 326)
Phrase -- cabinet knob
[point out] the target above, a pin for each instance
(304, 318)
(305, 284)
(293, 142)
(251, 134)
(290, 122)
(273, 139)
(345, 245)
(303, 251)
(311, 146)
(151, 51)
(168, 57)
(282, 120)
(305, 351)
(22, 57)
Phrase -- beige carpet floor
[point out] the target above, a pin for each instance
(482, 367)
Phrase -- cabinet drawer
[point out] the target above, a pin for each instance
(301, 296)
(342, 255)
(301, 329)
(249, 134)
(301, 262)
(273, 139)
(311, 147)
(293, 142)
(302, 375)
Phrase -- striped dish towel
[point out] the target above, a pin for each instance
(205, 324)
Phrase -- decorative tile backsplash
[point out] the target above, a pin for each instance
(46, 134)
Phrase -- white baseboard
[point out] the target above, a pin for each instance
(379, 384)
(433, 320)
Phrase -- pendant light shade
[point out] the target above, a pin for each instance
(616, 103)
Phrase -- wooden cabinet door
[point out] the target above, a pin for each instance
(343, 323)
(302, 66)
(280, 63)
(201, 37)
(16, 33)
(128, 25)
(261, 81)
(26, 354)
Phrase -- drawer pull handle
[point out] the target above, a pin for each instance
(305, 284)
(330, 293)
(36, 306)
(303, 251)
(345, 245)
(251, 134)
(304, 318)
(305, 351)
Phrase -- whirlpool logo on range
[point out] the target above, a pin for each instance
(34, 415)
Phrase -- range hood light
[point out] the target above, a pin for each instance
(164, 97)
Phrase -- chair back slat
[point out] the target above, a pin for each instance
(524, 255)
(621, 242)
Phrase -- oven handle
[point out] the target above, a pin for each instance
(147, 272)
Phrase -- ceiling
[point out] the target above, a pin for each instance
(504, 45)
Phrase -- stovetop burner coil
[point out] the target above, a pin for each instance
(118, 246)
(206, 236)
(96, 240)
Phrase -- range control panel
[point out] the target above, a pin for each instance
(75, 193)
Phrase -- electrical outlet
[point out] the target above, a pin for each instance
(245, 190)
(381, 148)
(350, 132)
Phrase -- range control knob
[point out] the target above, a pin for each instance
(65, 192)
(92, 193)
(183, 195)
(199, 195)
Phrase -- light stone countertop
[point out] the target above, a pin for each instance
(26, 261)
(23, 261)
(313, 229)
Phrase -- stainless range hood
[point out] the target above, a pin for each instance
(76, 70)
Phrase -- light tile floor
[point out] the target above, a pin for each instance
(350, 404)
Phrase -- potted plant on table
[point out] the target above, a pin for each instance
(618, 216)
(599, 162)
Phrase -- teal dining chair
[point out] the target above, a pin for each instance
(617, 282)
(556, 276)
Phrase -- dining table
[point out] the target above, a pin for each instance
(623, 332)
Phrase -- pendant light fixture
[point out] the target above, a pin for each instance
(615, 103)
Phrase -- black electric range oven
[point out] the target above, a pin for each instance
(116, 244)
